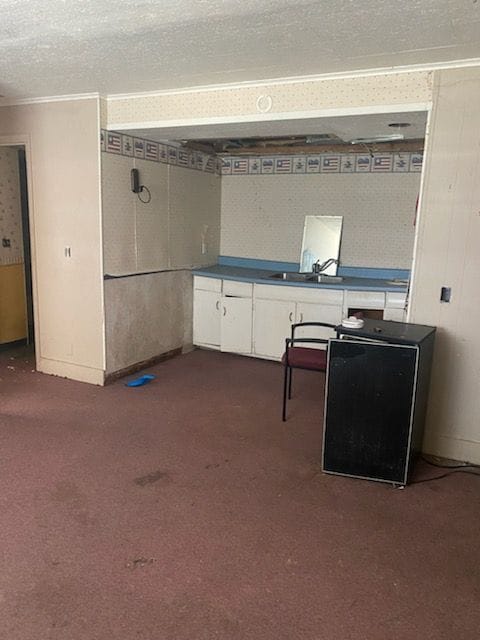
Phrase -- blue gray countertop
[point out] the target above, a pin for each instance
(261, 272)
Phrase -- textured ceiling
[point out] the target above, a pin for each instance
(54, 47)
(345, 127)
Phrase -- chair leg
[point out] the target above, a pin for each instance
(285, 385)
(290, 375)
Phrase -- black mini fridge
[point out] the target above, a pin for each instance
(375, 399)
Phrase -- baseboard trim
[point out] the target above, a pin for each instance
(70, 371)
(4, 346)
(452, 448)
(144, 364)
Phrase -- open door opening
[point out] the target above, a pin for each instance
(16, 299)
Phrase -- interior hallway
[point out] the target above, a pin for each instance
(185, 509)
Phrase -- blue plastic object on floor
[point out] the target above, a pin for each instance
(139, 382)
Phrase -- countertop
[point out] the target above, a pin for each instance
(263, 276)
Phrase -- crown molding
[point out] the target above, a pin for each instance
(16, 102)
(341, 75)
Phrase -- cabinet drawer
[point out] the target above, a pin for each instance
(238, 289)
(365, 299)
(299, 294)
(207, 284)
(395, 300)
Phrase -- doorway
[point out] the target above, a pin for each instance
(16, 296)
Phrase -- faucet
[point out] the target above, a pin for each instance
(318, 268)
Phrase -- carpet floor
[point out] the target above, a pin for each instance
(186, 509)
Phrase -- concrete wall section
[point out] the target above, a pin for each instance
(64, 182)
(147, 316)
(263, 216)
(447, 254)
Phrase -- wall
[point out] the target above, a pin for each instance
(447, 254)
(13, 321)
(301, 98)
(148, 314)
(64, 190)
(263, 215)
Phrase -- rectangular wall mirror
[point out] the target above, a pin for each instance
(321, 244)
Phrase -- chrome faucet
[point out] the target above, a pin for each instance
(318, 268)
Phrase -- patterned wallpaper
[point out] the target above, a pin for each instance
(10, 208)
(141, 149)
(263, 217)
(324, 163)
(286, 97)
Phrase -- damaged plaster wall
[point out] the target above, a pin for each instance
(147, 316)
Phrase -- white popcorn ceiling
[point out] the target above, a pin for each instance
(54, 47)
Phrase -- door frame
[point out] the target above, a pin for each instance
(24, 141)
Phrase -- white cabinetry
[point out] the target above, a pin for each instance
(222, 319)
(206, 312)
(395, 303)
(276, 308)
(271, 325)
(236, 318)
(255, 319)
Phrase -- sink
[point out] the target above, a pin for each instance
(292, 276)
(398, 282)
(306, 277)
(324, 279)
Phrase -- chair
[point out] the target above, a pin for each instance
(302, 357)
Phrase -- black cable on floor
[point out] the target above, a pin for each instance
(445, 475)
(465, 465)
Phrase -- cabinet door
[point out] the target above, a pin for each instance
(307, 312)
(236, 324)
(206, 318)
(394, 314)
(272, 320)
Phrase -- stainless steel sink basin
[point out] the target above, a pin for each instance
(306, 277)
(398, 282)
(321, 277)
(292, 276)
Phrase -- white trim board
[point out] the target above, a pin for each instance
(271, 117)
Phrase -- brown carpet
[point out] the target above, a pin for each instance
(186, 510)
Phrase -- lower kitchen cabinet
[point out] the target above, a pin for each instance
(308, 312)
(236, 324)
(222, 315)
(254, 319)
(272, 323)
(206, 318)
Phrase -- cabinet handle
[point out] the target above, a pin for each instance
(301, 317)
(290, 316)
(217, 305)
(224, 311)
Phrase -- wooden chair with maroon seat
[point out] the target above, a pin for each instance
(302, 357)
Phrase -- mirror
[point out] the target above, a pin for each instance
(321, 242)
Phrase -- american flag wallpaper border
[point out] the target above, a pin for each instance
(324, 163)
(286, 165)
(140, 148)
